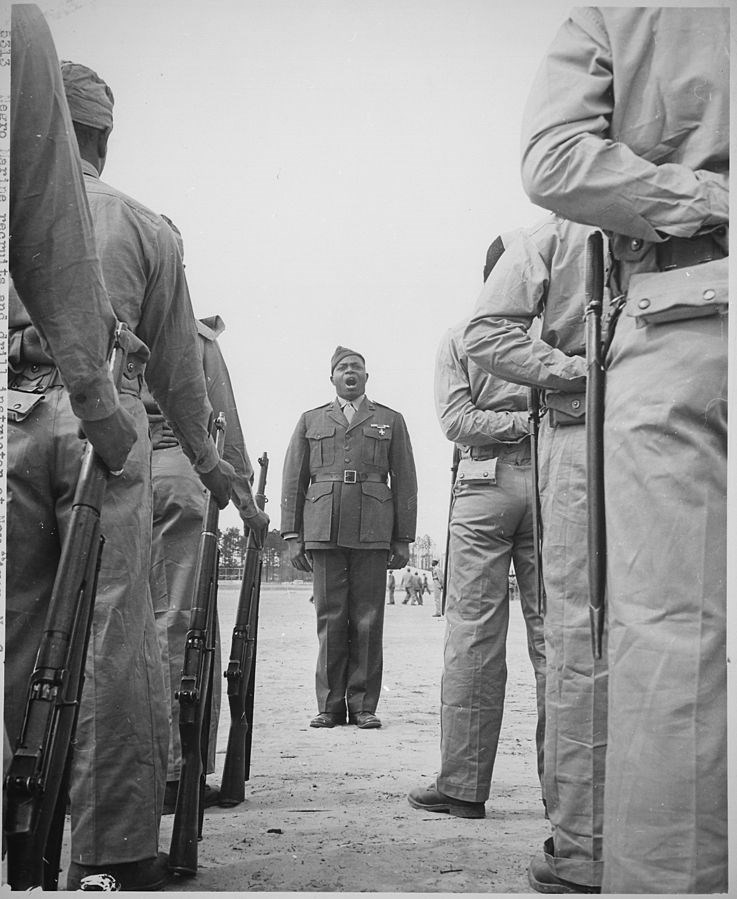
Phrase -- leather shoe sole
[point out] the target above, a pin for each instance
(430, 799)
(365, 720)
(145, 876)
(327, 719)
(543, 880)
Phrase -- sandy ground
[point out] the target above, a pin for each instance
(326, 810)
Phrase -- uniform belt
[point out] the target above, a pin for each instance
(350, 477)
(681, 252)
(496, 450)
(36, 377)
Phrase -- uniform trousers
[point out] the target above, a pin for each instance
(437, 592)
(665, 447)
(491, 525)
(179, 503)
(349, 604)
(119, 769)
(576, 688)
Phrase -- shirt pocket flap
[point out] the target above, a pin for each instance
(377, 490)
(692, 292)
(569, 407)
(317, 491)
(377, 432)
(21, 404)
(477, 470)
(317, 432)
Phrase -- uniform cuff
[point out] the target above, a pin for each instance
(206, 459)
(94, 397)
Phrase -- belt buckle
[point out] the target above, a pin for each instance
(349, 477)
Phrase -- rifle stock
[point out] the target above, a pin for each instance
(195, 690)
(241, 670)
(594, 286)
(37, 781)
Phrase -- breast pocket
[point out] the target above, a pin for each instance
(322, 445)
(375, 447)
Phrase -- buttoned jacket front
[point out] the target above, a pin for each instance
(350, 485)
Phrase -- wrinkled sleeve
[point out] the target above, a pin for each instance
(571, 166)
(53, 257)
(462, 421)
(174, 373)
(295, 480)
(403, 483)
(222, 399)
(497, 335)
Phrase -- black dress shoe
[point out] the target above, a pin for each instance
(143, 876)
(430, 799)
(543, 880)
(327, 719)
(364, 720)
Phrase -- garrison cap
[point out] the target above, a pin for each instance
(340, 353)
(90, 99)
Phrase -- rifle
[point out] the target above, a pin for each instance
(594, 286)
(195, 690)
(533, 407)
(453, 473)
(37, 781)
(241, 672)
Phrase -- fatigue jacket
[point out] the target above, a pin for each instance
(655, 163)
(475, 408)
(222, 399)
(541, 273)
(53, 257)
(320, 501)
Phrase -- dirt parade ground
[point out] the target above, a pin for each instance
(327, 810)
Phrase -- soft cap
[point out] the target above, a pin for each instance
(340, 353)
(90, 99)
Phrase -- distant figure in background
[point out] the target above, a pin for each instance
(425, 585)
(349, 509)
(417, 584)
(436, 572)
(391, 584)
(407, 584)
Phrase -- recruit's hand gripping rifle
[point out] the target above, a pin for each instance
(241, 672)
(453, 475)
(533, 408)
(37, 781)
(195, 690)
(594, 286)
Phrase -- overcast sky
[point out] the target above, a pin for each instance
(337, 169)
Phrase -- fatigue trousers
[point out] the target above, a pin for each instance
(179, 503)
(437, 593)
(576, 688)
(665, 445)
(349, 604)
(491, 525)
(117, 786)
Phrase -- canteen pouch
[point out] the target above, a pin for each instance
(21, 404)
(566, 409)
(655, 298)
(476, 471)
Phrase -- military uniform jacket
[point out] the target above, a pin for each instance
(350, 485)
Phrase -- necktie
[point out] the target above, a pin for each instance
(349, 411)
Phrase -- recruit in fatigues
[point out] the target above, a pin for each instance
(541, 274)
(627, 128)
(349, 500)
(490, 527)
(119, 764)
(179, 502)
